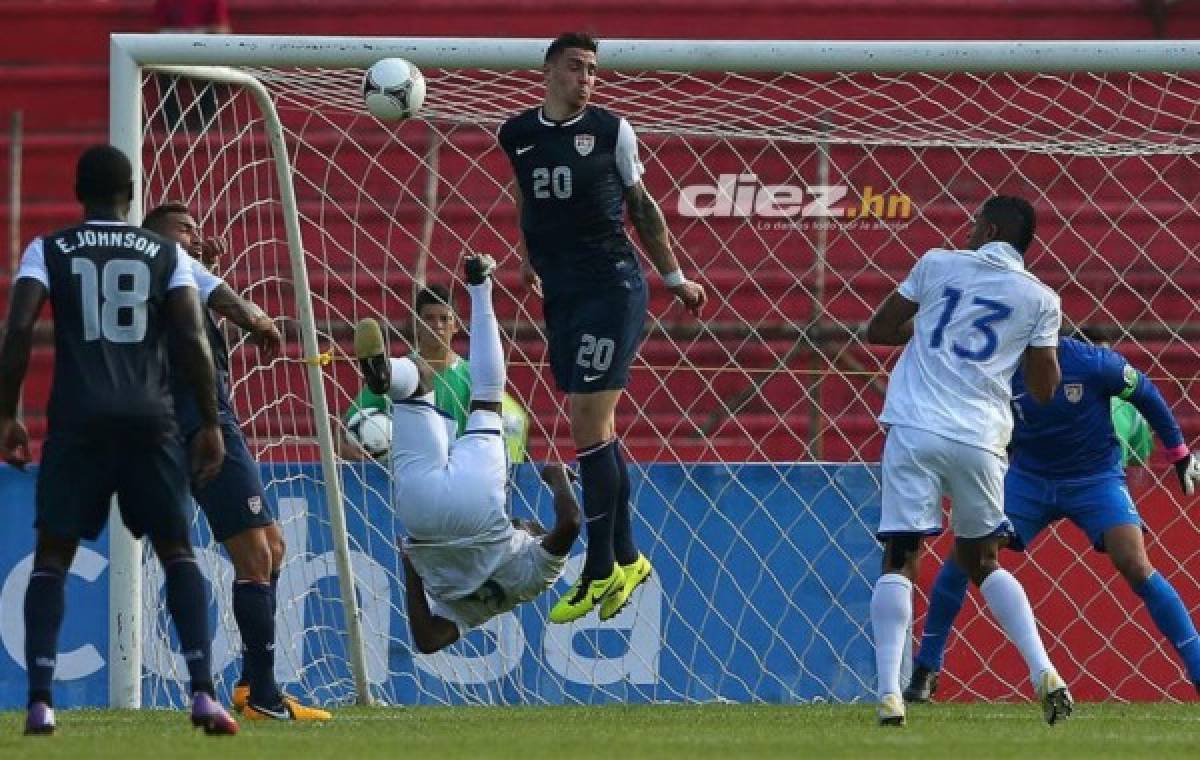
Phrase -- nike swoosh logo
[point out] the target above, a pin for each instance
(523, 151)
(276, 714)
(592, 378)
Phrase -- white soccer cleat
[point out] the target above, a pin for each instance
(1056, 700)
(891, 710)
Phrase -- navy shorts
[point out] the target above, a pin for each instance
(234, 501)
(1095, 505)
(593, 337)
(80, 473)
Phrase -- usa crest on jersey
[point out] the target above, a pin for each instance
(585, 143)
(1073, 392)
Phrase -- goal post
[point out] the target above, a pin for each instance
(800, 180)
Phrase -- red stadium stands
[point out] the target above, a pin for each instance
(65, 106)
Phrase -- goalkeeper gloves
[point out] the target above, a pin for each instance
(1188, 470)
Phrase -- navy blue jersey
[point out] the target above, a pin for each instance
(572, 177)
(108, 283)
(1072, 436)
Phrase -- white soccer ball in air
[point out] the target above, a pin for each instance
(393, 89)
(372, 430)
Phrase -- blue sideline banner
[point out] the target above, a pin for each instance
(761, 591)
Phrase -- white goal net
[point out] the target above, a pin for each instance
(798, 198)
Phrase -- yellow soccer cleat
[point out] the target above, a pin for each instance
(891, 710)
(241, 695)
(289, 709)
(586, 594)
(635, 574)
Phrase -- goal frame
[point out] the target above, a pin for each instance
(208, 56)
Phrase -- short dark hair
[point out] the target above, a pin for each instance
(1014, 218)
(101, 174)
(156, 219)
(567, 40)
(432, 295)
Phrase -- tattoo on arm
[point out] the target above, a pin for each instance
(651, 226)
(243, 313)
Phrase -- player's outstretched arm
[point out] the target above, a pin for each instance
(208, 448)
(1140, 391)
(248, 316)
(651, 228)
(28, 295)
(430, 632)
(892, 322)
(567, 517)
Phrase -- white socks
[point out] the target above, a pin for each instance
(1008, 603)
(487, 357)
(405, 379)
(891, 618)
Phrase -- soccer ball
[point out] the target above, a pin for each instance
(372, 430)
(393, 89)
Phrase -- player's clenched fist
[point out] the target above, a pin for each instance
(692, 295)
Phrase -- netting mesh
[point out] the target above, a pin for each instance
(798, 201)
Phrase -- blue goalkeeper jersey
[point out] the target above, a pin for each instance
(1072, 436)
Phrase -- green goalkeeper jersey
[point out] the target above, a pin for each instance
(452, 394)
(1133, 431)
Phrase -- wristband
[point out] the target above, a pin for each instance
(1178, 452)
(674, 278)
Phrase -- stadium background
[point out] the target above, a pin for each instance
(62, 97)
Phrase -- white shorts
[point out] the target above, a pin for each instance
(920, 467)
(445, 491)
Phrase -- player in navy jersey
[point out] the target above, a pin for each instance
(577, 172)
(117, 293)
(234, 502)
(1066, 464)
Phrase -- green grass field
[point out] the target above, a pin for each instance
(963, 732)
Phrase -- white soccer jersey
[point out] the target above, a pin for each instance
(524, 569)
(977, 313)
(450, 495)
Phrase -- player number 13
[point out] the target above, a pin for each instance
(995, 312)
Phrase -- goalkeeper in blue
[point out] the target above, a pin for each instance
(1067, 464)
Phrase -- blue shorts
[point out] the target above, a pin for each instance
(593, 337)
(146, 468)
(1095, 505)
(234, 502)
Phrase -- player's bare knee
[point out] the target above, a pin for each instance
(54, 553)
(900, 554)
(170, 550)
(1133, 566)
(250, 552)
(277, 545)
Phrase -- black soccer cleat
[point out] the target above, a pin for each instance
(922, 686)
(478, 267)
(372, 361)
